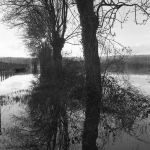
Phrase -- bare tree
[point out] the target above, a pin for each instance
(44, 23)
(98, 17)
(43, 20)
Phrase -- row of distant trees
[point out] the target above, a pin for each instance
(15, 60)
(136, 64)
(139, 64)
(48, 24)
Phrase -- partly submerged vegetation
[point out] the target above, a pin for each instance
(47, 26)
(55, 120)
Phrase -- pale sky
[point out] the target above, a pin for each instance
(11, 45)
(135, 36)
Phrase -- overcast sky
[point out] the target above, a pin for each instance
(135, 36)
(10, 43)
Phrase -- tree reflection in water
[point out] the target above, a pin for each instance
(48, 110)
(55, 119)
(124, 109)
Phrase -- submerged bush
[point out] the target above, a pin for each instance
(56, 111)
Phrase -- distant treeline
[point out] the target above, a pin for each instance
(131, 64)
(16, 64)
(16, 60)
(13, 67)
(137, 64)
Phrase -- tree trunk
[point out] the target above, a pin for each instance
(51, 71)
(58, 45)
(46, 64)
(51, 60)
(89, 23)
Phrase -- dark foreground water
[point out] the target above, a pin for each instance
(26, 118)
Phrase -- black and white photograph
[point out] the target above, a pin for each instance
(74, 74)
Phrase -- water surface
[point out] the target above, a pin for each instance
(122, 140)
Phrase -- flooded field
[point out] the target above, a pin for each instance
(14, 87)
(18, 108)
